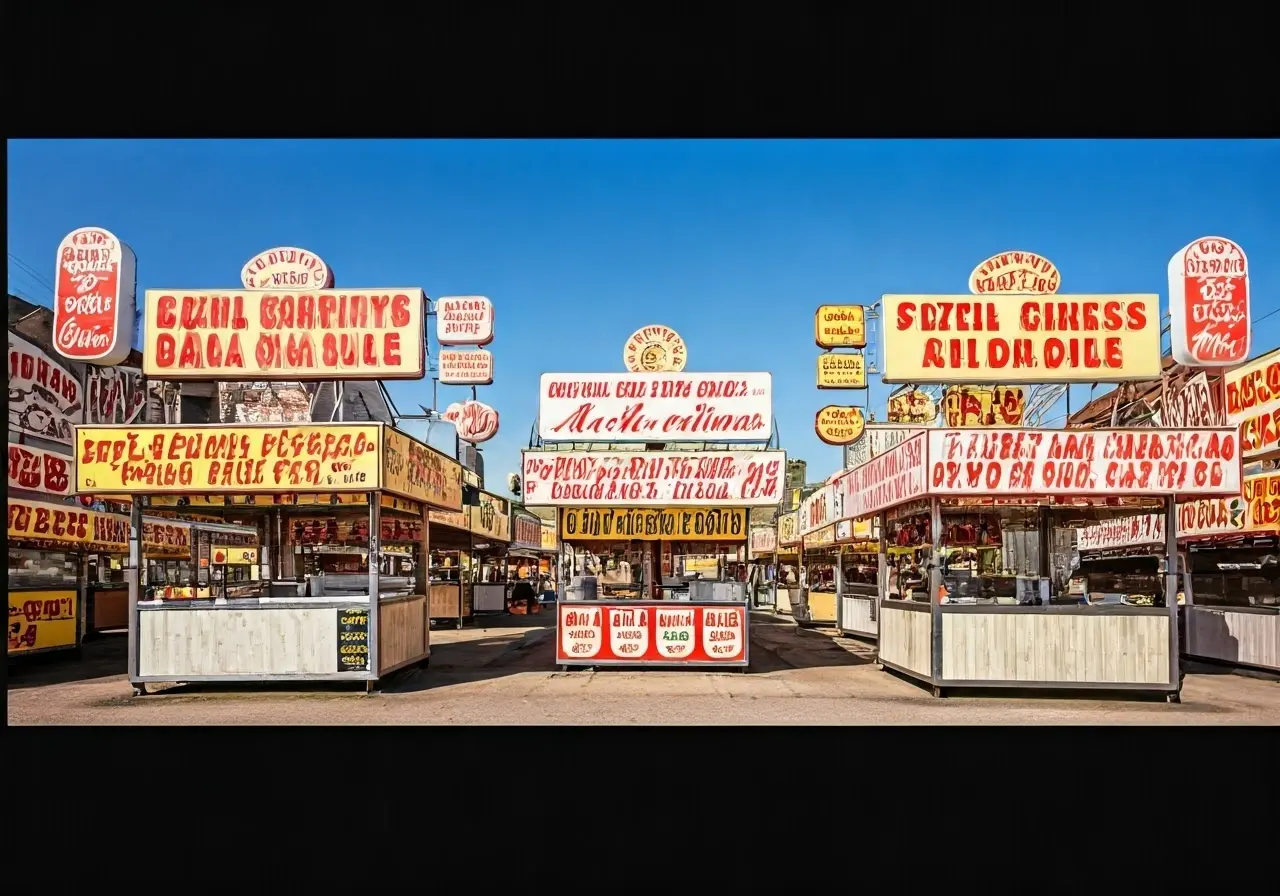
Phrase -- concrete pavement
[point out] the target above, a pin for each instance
(502, 672)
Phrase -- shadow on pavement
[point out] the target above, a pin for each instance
(777, 643)
(502, 646)
(103, 656)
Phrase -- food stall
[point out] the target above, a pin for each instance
(663, 595)
(49, 545)
(764, 557)
(787, 569)
(1231, 555)
(549, 559)
(819, 558)
(523, 559)
(490, 527)
(859, 558)
(450, 567)
(1013, 622)
(275, 610)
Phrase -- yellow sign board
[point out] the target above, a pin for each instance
(839, 425)
(230, 555)
(820, 537)
(837, 370)
(549, 540)
(965, 406)
(286, 334)
(245, 459)
(66, 524)
(840, 326)
(1021, 339)
(418, 471)
(39, 620)
(789, 528)
(489, 520)
(654, 523)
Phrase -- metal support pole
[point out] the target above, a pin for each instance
(375, 586)
(839, 588)
(935, 585)
(1171, 589)
(133, 576)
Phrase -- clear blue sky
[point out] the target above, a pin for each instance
(733, 243)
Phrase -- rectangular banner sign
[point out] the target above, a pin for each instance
(886, 480)
(45, 398)
(37, 470)
(1191, 405)
(679, 632)
(420, 472)
(549, 540)
(1122, 532)
(1256, 511)
(963, 339)
(764, 540)
(820, 538)
(655, 407)
(820, 509)
(1101, 463)
(964, 406)
(66, 524)
(653, 479)
(653, 524)
(258, 334)
(40, 620)
(1253, 404)
(247, 459)
(526, 532)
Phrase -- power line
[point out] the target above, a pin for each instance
(31, 272)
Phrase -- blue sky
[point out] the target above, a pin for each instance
(733, 243)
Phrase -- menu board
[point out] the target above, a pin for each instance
(353, 639)
(670, 634)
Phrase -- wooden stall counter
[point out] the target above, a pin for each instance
(404, 632)
(108, 607)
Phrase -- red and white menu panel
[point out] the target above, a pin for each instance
(596, 632)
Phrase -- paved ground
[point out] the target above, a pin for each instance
(501, 672)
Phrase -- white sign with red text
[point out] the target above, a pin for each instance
(819, 509)
(653, 479)
(95, 297)
(764, 540)
(45, 398)
(116, 395)
(673, 632)
(475, 421)
(464, 320)
(1123, 532)
(465, 368)
(1209, 322)
(286, 267)
(37, 470)
(655, 407)
(1102, 463)
(877, 438)
(885, 481)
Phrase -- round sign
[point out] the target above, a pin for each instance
(286, 267)
(654, 349)
(838, 425)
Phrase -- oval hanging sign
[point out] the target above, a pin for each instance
(839, 425)
(1015, 273)
(475, 421)
(286, 267)
(1209, 304)
(95, 298)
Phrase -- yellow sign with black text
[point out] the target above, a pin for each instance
(654, 523)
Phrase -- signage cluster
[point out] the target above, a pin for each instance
(836, 327)
(467, 321)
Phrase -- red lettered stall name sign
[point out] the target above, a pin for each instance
(964, 339)
(96, 286)
(1209, 303)
(603, 633)
(252, 334)
(37, 470)
(653, 479)
(1098, 463)
(1253, 404)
